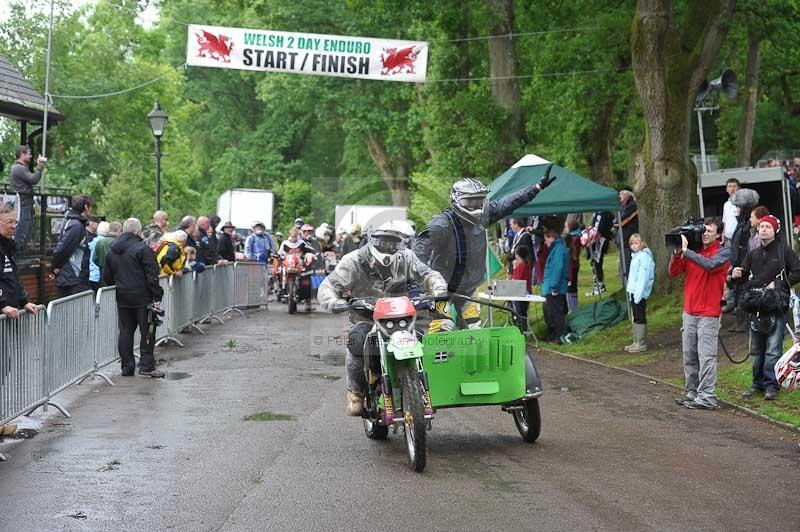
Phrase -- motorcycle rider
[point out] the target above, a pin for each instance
(454, 243)
(382, 268)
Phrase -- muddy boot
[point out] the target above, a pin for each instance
(8, 429)
(639, 338)
(355, 404)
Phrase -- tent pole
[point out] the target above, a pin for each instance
(488, 272)
(624, 272)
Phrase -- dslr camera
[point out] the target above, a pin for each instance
(155, 315)
(693, 230)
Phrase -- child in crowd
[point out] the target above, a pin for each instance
(640, 285)
(523, 271)
(191, 260)
(554, 287)
(573, 242)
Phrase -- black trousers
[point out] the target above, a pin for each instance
(522, 309)
(555, 315)
(639, 310)
(129, 320)
(597, 265)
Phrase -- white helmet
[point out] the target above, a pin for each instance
(386, 241)
(787, 369)
(468, 197)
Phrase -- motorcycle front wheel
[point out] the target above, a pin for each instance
(291, 296)
(414, 415)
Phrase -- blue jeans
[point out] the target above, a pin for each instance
(22, 234)
(766, 349)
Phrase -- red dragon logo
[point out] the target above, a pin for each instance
(399, 61)
(217, 48)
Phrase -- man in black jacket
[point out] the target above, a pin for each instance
(70, 262)
(132, 267)
(454, 243)
(12, 293)
(225, 244)
(770, 265)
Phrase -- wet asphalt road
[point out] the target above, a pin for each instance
(615, 452)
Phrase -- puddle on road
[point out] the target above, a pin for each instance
(177, 375)
(268, 416)
(333, 358)
(331, 378)
(25, 434)
(113, 465)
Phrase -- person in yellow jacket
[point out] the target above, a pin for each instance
(171, 257)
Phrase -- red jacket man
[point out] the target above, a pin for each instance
(705, 272)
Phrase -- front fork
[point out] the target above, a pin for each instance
(388, 392)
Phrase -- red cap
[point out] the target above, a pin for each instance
(774, 222)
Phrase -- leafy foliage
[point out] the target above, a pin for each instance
(306, 137)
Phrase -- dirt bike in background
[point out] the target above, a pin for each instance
(295, 282)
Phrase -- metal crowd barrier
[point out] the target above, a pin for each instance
(42, 354)
(21, 363)
(69, 342)
(252, 285)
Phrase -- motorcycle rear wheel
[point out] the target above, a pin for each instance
(414, 414)
(529, 420)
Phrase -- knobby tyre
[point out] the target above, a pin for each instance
(414, 414)
(290, 294)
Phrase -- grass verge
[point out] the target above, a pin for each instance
(664, 315)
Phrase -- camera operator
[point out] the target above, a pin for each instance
(132, 267)
(771, 269)
(705, 272)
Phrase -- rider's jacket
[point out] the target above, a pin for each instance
(358, 273)
(298, 246)
(457, 249)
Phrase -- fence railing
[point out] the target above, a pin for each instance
(76, 336)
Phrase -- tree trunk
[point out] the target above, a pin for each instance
(670, 61)
(396, 180)
(744, 149)
(600, 143)
(503, 66)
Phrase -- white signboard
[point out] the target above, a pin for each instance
(307, 53)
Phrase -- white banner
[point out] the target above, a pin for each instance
(307, 53)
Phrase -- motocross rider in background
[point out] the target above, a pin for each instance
(454, 243)
(382, 268)
(293, 244)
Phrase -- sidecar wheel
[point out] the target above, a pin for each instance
(529, 420)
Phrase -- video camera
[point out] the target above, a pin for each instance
(155, 315)
(693, 230)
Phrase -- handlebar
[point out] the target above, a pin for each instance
(368, 303)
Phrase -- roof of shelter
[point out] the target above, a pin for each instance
(19, 100)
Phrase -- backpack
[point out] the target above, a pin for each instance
(158, 246)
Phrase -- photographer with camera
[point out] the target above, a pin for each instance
(705, 270)
(767, 274)
(131, 266)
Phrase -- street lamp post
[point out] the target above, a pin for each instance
(157, 119)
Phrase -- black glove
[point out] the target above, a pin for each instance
(546, 180)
